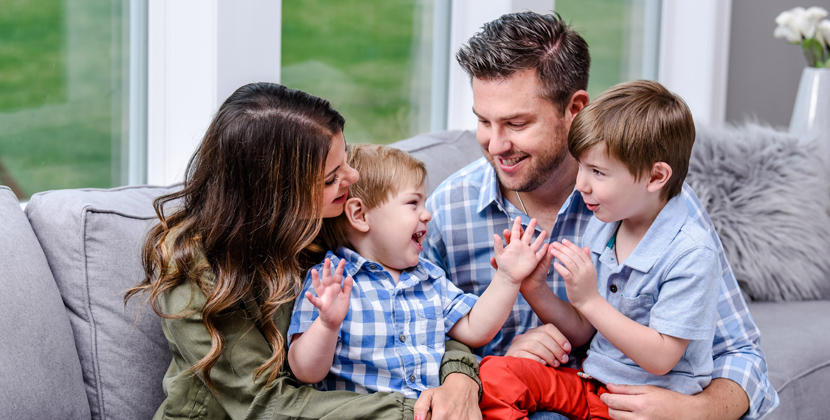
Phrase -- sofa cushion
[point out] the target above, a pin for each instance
(92, 240)
(40, 371)
(768, 195)
(443, 153)
(795, 339)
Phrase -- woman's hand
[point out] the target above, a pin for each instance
(332, 301)
(455, 399)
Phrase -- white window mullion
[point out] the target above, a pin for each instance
(199, 52)
(694, 55)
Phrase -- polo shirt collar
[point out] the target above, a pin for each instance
(656, 240)
(355, 262)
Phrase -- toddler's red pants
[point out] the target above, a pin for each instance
(512, 387)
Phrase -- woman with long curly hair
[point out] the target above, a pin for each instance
(222, 269)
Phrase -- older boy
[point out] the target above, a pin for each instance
(385, 329)
(648, 280)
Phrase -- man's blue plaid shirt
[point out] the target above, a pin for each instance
(467, 209)
(393, 336)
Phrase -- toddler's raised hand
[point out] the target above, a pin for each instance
(578, 271)
(520, 256)
(332, 301)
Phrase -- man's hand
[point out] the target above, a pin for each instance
(456, 399)
(722, 399)
(545, 344)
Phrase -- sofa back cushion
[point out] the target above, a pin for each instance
(40, 371)
(443, 153)
(92, 240)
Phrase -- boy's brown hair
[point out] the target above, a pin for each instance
(384, 171)
(639, 123)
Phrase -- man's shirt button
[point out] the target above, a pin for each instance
(613, 288)
(403, 338)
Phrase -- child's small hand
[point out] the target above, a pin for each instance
(578, 271)
(332, 301)
(519, 257)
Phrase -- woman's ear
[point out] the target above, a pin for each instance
(356, 213)
(659, 176)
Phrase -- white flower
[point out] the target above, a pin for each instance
(811, 19)
(798, 23)
(808, 28)
(823, 33)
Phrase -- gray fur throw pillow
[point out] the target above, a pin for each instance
(768, 195)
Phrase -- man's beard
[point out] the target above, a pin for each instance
(536, 175)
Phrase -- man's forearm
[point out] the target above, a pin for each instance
(723, 399)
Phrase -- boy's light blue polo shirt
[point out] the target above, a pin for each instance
(668, 283)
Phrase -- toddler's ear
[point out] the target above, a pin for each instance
(356, 213)
(660, 175)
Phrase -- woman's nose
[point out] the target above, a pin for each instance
(351, 176)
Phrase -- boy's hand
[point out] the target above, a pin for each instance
(520, 257)
(332, 301)
(578, 271)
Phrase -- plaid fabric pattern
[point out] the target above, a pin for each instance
(467, 209)
(393, 337)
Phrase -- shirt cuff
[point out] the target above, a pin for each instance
(753, 379)
(456, 366)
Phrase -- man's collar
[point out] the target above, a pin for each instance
(490, 191)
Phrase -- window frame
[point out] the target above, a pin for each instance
(197, 43)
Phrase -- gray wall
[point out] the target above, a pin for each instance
(763, 71)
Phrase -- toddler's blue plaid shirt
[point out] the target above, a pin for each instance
(393, 337)
(467, 209)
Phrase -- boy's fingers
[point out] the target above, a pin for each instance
(537, 244)
(347, 286)
(315, 278)
(498, 247)
(338, 272)
(326, 268)
(314, 301)
(517, 227)
(528, 234)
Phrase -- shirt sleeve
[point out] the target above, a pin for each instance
(236, 393)
(304, 312)
(737, 344)
(686, 306)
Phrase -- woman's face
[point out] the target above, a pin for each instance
(339, 175)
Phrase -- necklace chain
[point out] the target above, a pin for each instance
(522, 203)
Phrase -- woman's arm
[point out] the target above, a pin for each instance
(460, 391)
(236, 393)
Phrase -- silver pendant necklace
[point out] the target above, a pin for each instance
(522, 203)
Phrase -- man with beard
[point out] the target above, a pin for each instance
(529, 73)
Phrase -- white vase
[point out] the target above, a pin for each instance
(811, 113)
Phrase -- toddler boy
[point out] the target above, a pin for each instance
(647, 280)
(385, 328)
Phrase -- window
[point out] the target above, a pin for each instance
(64, 108)
(623, 37)
(373, 60)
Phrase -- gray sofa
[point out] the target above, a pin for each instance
(71, 350)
